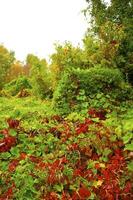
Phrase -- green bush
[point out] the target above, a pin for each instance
(4, 93)
(123, 94)
(15, 86)
(62, 95)
(41, 87)
(77, 86)
(39, 77)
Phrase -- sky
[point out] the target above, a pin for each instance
(33, 26)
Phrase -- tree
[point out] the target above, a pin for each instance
(118, 17)
(66, 56)
(26, 70)
(6, 60)
(39, 75)
(104, 49)
(15, 71)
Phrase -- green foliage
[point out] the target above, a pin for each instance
(91, 47)
(113, 24)
(64, 157)
(28, 109)
(77, 87)
(65, 57)
(104, 49)
(40, 79)
(17, 85)
(6, 60)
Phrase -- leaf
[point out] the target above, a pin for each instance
(98, 183)
(5, 155)
(73, 187)
(95, 119)
(106, 152)
(15, 151)
(102, 165)
(1, 136)
(118, 131)
(113, 138)
(91, 164)
(4, 166)
(58, 188)
(92, 197)
(106, 105)
(13, 132)
(84, 192)
(126, 138)
(129, 147)
(38, 139)
(130, 166)
(105, 159)
(68, 171)
(99, 96)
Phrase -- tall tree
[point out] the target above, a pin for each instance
(15, 71)
(39, 75)
(65, 57)
(6, 60)
(119, 15)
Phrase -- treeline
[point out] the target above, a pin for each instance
(108, 45)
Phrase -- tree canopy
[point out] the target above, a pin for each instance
(113, 23)
(6, 60)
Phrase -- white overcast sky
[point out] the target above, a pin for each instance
(32, 26)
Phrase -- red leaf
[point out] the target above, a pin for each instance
(75, 196)
(5, 132)
(127, 187)
(82, 128)
(84, 192)
(23, 156)
(13, 123)
(12, 165)
(77, 172)
(34, 159)
(99, 114)
(97, 166)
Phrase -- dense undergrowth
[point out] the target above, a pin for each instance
(78, 156)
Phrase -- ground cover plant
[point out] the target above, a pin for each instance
(73, 157)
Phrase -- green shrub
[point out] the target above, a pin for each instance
(77, 86)
(4, 93)
(39, 77)
(41, 87)
(15, 86)
(99, 79)
(126, 92)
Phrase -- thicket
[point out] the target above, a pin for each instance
(39, 76)
(78, 87)
(112, 23)
(103, 65)
(16, 86)
(106, 44)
